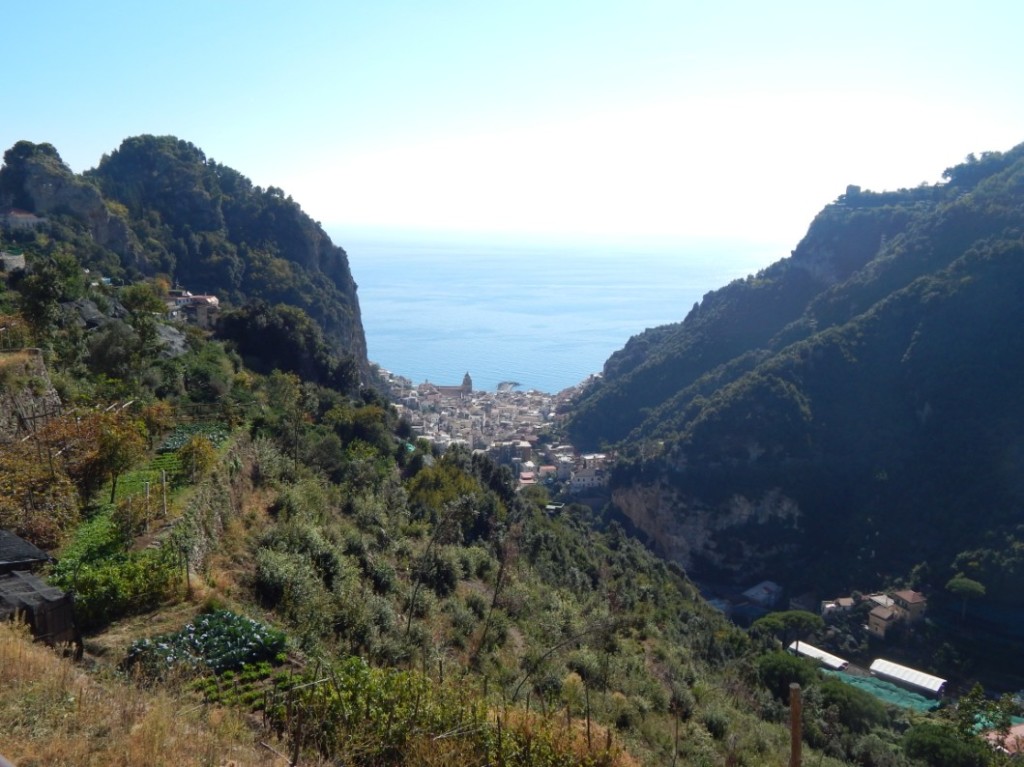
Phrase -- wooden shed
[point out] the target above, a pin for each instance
(47, 610)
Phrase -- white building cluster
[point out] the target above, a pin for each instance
(514, 427)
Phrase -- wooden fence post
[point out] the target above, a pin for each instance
(795, 718)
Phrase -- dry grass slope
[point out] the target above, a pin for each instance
(53, 713)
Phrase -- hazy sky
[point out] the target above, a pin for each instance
(681, 119)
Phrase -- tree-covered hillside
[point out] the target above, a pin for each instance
(861, 396)
(158, 206)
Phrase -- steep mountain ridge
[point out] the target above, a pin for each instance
(870, 379)
(157, 205)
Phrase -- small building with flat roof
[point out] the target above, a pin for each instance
(880, 620)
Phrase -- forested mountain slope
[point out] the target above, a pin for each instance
(158, 205)
(849, 412)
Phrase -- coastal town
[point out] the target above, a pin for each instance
(514, 427)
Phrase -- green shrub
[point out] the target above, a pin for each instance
(715, 722)
(859, 711)
(382, 575)
(588, 666)
(290, 583)
(497, 631)
(939, 746)
(269, 464)
(681, 702)
(354, 545)
(423, 605)
(252, 699)
(305, 538)
(307, 500)
(463, 620)
(625, 715)
(477, 604)
(874, 751)
(439, 569)
(475, 562)
(778, 670)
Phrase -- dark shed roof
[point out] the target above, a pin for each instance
(18, 554)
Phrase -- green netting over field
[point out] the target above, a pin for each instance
(887, 692)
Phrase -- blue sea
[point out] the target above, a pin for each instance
(545, 314)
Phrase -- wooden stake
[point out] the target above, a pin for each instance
(795, 717)
(586, 697)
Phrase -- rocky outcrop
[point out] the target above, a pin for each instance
(58, 193)
(173, 343)
(41, 181)
(87, 315)
(725, 538)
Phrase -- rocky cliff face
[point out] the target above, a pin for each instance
(43, 184)
(741, 536)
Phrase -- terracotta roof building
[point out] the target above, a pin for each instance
(880, 620)
(911, 603)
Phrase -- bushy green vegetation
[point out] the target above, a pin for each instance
(934, 744)
(109, 581)
(210, 228)
(372, 716)
(159, 206)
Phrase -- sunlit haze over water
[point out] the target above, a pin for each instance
(545, 316)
